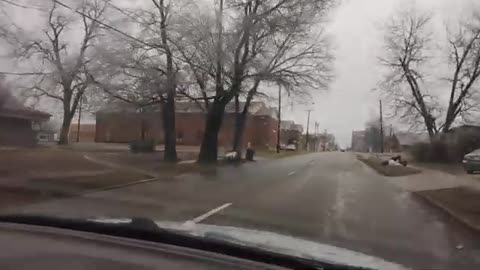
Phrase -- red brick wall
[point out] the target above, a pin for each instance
(125, 127)
(189, 128)
(87, 132)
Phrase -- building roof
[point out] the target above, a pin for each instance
(465, 127)
(24, 113)
(358, 133)
(290, 125)
(256, 108)
(286, 124)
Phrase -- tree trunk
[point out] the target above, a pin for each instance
(65, 130)
(209, 148)
(240, 123)
(168, 115)
(236, 139)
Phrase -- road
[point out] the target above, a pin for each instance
(326, 197)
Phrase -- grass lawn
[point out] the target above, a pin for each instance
(153, 162)
(42, 160)
(376, 164)
(32, 175)
(462, 203)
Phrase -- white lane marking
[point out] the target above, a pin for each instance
(292, 173)
(208, 214)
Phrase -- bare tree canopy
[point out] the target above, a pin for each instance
(464, 55)
(259, 41)
(63, 63)
(409, 50)
(406, 42)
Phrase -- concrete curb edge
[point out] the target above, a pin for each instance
(449, 212)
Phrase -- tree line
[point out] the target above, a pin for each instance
(164, 51)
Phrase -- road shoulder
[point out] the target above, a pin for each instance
(458, 196)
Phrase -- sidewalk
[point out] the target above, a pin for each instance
(458, 195)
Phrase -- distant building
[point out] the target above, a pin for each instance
(16, 126)
(122, 126)
(359, 143)
(290, 133)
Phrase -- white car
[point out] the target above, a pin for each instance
(291, 147)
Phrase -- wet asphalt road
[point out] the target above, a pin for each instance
(326, 197)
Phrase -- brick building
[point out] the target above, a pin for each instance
(16, 126)
(125, 126)
(290, 133)
(87, 133)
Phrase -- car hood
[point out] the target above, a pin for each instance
(273, 242)
(281, 244)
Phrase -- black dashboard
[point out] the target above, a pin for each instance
(43, 248)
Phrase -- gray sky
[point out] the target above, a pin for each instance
(356, 30)
(355, 27)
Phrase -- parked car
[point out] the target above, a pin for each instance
(291, 147)
(471, 162)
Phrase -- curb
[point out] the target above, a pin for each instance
(138, 182)
(448, 211)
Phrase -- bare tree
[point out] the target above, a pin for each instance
(129, 78)
(151, 64)
(406, 42)
(464, 55)
(298, 62)
(240, 47)
(64, 65)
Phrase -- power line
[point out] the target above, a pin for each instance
(22, 6)
(104, 24)
(123, 12)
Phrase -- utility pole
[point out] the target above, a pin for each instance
(381, 128)
(308, 127)
(79, 118)
(326, 142)
(279, 116)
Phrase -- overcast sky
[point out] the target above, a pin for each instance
(356, 30)
(355, 27)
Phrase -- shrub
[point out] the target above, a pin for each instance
(443, 150)
(142, 146)
(420, 152)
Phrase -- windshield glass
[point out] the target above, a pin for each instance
(342, 123)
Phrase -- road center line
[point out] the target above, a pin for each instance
(292, 173)
(209, 213)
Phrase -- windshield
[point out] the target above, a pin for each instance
(343, 123)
